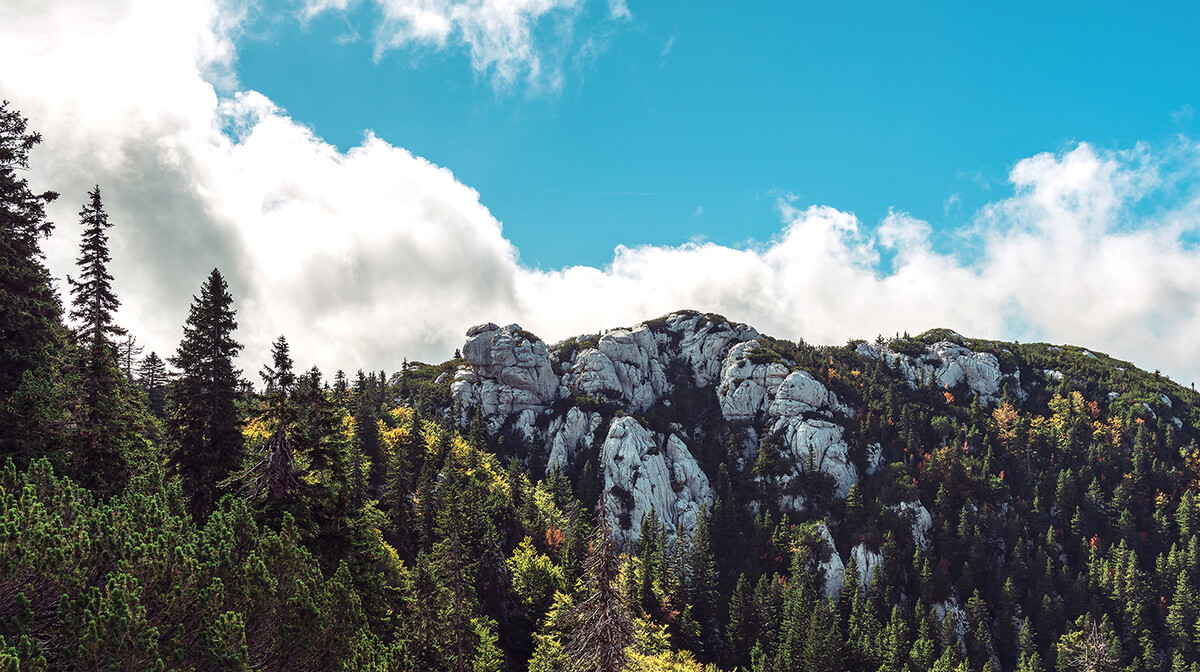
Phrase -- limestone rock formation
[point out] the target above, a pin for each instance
(508, 371)
(570, 434)
(867, 562)
(946, 364)
(747, 389)
(919, 519)
(833, 568)
(646, 471)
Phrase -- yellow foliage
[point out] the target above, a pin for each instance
(255, 431)
(1005, 418)
(671, 661)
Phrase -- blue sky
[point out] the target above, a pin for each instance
(373, 177)
(689, 124)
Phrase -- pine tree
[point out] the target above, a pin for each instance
(737, 634)
(366, 429)
(279, 378)
(32, 335)
(203, 418)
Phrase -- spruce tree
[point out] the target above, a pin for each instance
(31, 329)
(203, 418)
(107, 413)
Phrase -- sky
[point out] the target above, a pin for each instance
(373, 177)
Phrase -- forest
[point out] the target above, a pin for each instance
(168, 511)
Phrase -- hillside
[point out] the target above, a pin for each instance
(1003, 496)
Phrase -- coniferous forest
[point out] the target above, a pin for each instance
(168, 511)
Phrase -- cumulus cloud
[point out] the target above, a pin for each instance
(365, 257)
(501, 36)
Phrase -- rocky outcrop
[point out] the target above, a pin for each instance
(508, 371)
(830, 452)
(630, 365)
(704, 341)
(801, 394)
(626, 364)
(570, 434)
(919, 520)
(802, 413)
(646, 471)
(746, 389)
(867, 562)
(833, 568)
(945, 364)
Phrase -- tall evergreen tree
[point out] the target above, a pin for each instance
(203, 418)
(31, 329)
(279, 377)
(107, 415)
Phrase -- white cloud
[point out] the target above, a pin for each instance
(501, 36)
(365, 257)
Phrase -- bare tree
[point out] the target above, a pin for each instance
(1087, 649)
(601, 625)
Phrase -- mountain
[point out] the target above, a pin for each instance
(1020, 472)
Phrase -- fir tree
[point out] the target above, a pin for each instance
(32, 411)
(127, 351)
(107, 416)
(203, 418)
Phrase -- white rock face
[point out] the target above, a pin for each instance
(658, 473)
(631, 364)
(800, 393)
(570, 434)
(639, 365)
(947, 364)
(507, 373)
(919, 519)
(874, 458)
(595, 375)
(704, 342)
(829, 448)
(746, 389)
(867, 561)
(835, 570)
